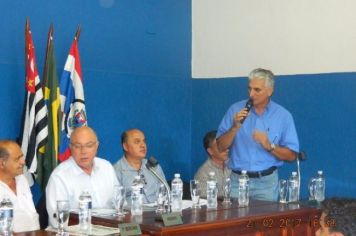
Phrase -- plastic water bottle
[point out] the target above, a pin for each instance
(243, 189)
(293, 187)
(6, 215)
(85, 206)
(211, 191)
(177, 194)
(320, 187)
(137, 196)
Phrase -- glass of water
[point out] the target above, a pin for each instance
(162, 197)
(283, 190)
(119, 199)
(195, 193)
(227, 191)
(62, 216)
(311, 187)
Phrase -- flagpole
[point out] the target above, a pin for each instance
(27, 29)
(49, 40)
(77, 34)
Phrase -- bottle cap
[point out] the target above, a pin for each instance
(176, 175)
(320, 172)
(294, 173)
(243, 172)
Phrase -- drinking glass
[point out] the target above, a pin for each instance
(195, 193)
(162, 196)
(62, 216)
(119, 199)
(227, 191)
(283, 190)
(311, 187)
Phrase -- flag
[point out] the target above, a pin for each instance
(48, 161)
(34, 130)
(72, 99)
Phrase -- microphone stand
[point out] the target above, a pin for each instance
(150, 165)
(300, 157)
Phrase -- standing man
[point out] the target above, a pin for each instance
(83, 171)
(134, 163)
(259, 140)
(13, 185)
(216, 163)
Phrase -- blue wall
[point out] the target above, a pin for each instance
(136, 59)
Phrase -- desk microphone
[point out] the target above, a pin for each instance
(248, 106)
(151, 166)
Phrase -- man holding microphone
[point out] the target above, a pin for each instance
(260, 135)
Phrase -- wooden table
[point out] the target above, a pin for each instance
(260, 218)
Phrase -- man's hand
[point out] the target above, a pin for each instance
(239, 116)
(262, 138)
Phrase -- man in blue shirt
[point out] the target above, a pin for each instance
(133, 163)
(259, 139)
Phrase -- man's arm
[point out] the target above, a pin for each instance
(225, 140)
(282, 153)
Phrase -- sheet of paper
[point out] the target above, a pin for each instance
(96, 230)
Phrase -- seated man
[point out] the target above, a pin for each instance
(216, 163)
(134, 163)
(13, 185)
(338, 217)
(83, 171)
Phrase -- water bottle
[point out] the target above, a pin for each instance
(211, 191)
(6, 215)
(137, 196)
(85, 206)
(320, 187)
(243, 197)
(177, 194)
(293, 187)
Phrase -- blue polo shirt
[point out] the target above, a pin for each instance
(245, 153)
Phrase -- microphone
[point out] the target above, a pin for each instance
(151, 163)
(151, 166)
(248, 106)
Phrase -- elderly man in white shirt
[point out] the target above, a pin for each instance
(83, 171)
(13, 185)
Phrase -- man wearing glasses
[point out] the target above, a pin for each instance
(134, 163)
(83, 171)
(260, 139)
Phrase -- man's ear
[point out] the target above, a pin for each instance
(209, 151)
(124, 146)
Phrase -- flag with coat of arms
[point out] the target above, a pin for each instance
(72, 99)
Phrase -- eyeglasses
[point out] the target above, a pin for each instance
(89, 145)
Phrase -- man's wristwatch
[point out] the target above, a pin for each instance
(272, 147)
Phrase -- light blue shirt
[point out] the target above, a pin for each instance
(245, 153)
(126, 174)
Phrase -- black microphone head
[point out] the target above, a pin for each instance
(248, 107)
(152, 162)
(249, 104)
(302, 156)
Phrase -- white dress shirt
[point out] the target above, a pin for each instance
(25, 215)
(68, 181)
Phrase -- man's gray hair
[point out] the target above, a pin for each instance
(262, 74)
